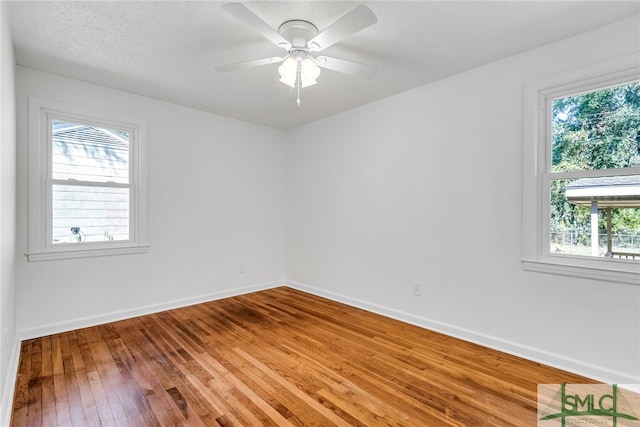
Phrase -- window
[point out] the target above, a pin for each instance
(87, 183)
(582, 173)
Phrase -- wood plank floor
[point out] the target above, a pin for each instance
(279, 357)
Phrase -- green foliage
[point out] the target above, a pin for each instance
(595, 130)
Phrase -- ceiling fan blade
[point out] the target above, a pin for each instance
(357, 19)
(347, 67)
(240, 12)
(249, 64)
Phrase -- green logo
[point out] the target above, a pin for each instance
(586, 404)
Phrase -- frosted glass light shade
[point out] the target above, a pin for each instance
(289, 72)
(309, 72)
(290, 68)
(309, 69)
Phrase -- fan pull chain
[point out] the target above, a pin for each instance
(298, 84)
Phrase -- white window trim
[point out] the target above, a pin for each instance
(535, 252)
(40, 247)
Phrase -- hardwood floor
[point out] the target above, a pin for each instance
(279, 357)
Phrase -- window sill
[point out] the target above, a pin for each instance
(630, 274)
(65, 253)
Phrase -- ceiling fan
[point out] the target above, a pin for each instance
(301, 39)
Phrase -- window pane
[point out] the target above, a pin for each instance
(94, 213)
(597, 130)
(89, 153)
(612, 203)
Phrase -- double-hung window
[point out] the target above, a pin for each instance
(582, 173)
(87, 183)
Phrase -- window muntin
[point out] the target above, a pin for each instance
(87, 183)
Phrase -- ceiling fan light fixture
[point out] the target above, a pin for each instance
(289, 72)
(309, 70)
(289, 67)
(288, 82)
(306, 68)
(306, 83)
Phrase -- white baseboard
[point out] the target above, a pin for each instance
(6, 405)
(580, 367)
(85, 322)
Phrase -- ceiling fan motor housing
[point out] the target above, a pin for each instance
(298, 33)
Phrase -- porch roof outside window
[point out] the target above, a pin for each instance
(609, 191)
(605, 192)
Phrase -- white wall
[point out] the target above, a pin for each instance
(427, 186)
(216, 202)
(8, 343)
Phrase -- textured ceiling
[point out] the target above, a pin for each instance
(168, 49)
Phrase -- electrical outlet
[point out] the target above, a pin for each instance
(416, 288)
(241, 269)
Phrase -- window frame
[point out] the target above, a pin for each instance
(538, 96)
(41, 112)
